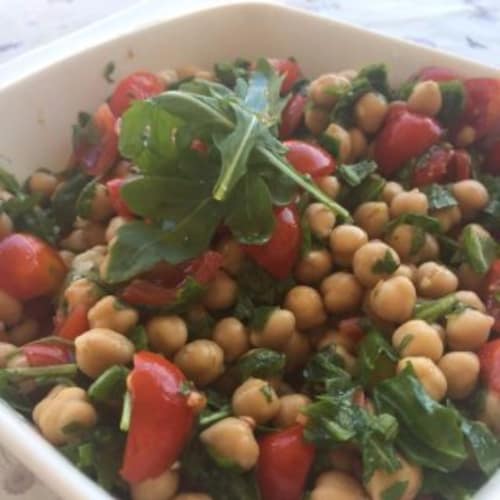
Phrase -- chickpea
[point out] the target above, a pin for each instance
(256, 399)
(192, 496)
(409, 202)
(98, 349)
(359, 144)
(100, 206)
(321, 220)
(277, 330)
(291, 406)
(338, 485)
(370, 111)
(232, 255)
(7, 351)
(329, 184)
(108, 312)
(343, 138)
(342, 293)
(490, 412)
(167, 334)
(94, 233)
(113, 226)
(232, 439)
(471, 196)
(75, 241)
(429, 375)
(313, 267)
(394, 299)
(306, 305)
(345, 240)
(461, 370)
(448, 217)
(465, 137)
(187, 71)
(429, 250)
(316, 119)
(440, 331)
(221, 293)
(11, 309)
(435, 280)
(470, 299)
(372, 216)
(297, 351)
(325, 89)
(418, 338)
(81, 291)
(408, 474)
(202, 361)
(43, 183)
(61, 407)
(468, 330)
(468, 278)
(338, 338)
(407, 270)
(6, 225)
(401, 240)
(162, 487)
(67, 257)
(24, 332)
(391, 190)
(350, 74)
(89, 260)
(425, 98)
(366, 258)
(230, 334)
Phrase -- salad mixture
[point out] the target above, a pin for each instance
(247, 285)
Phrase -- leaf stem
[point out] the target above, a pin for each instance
(43, 371)
(126, 412)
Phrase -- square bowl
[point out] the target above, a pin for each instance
(39, 107)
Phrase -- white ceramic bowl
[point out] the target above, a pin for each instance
(38, 109)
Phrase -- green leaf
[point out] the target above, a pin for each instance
(110, 386)
(218, 407)
(376, 74)
(395, 491)
(261, 363)
(228, 73)
(85, 199)
(439, 197)
(354, 175)
(425, 222)
(343, 111)
(386, 265)
(139, 338)
(370, 189)
(479, 250)
(453, 95)
(433, 310)
(9, 182)
(447, 486)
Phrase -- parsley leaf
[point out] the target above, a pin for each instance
(354, 175)
(386, 265)
(479, 249)
(439, 197)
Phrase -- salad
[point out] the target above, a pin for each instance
(248, 285)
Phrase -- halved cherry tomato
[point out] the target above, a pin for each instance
(29, 267)
(403, 137)
(161, 419)
(491, 293)
(351, 328)
(48, 353)
(74, 324)
(284, 463)
(309, 158)
(291, 69)
(292, 115)
(118, 203)
(437, 73)
(489, 361)
(460, 166)
(432, 167)
(146, 293)
(199, 146)
(279, 254)
(135, 87)
(204, 268)
(492, 160)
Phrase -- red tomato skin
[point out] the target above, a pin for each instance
(489, 361)
(491, 294)
(48, 354)
(402, 138)
(74, 324)
(161, 419)
(434, 168)
(292, 115)
(204, 268)
(309, 158)
(492, 160)
(135, 87)
(143, 292)
(284, 463)
(290, 68)
(279, 254)
(460, 166)
(118, 203)
(29, 267)
(437, 73)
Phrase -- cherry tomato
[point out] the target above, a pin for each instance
(48, 353)
(309, 158)
(432, 167)
(161, 419)
(292, 115)
(460, 166)
(491, 293)
(29, 267)
(114, 186)
(135, 87)
(204, 268)
(280, 253)
(74, 324)
(402, 138)
(492, 160)
(290, 68)
(489, 361)
(284, 463)
(437, 73)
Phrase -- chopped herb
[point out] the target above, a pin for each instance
(386, 265)
(139, 338)
(110, 386)
(395, 491)
(439, 197)
(425, 222)
(268, 392)
(261, 363)
(453, 97)
(433, 310)
(354, 175)
(479, 249)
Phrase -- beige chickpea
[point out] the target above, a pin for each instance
(425, 98)
(24, 332)
(63, 406)
(316, 119)
(306, 305)
(202, 361)
(468, 330)
(329, 184)
(429, 375)
(407, 270)
(461, 370)
(255, 398)
(468, 278)
(366, 259)
(325, 89)
(418, 338)
(98, 349)
(89, 260)
(75, 241)
(337, 485)
(297, 351)
(81, 291)
(429, 250)
(471, 196)
(162, 487)
(435, 280)
(232, 439)
(345, 240)
(67, 257)
(192, 496)
(401, 240)
(313, 267)
(391, 189)
(7, 351)
(343, 138)
(470, 299)
(440, 331)
(231, 335)
(43, 183)
(338, 338)
(370, 111)
(187, 71)
(100, 206)
(409, 202)
(221, 292)
(349, 360)
(232, 255)
(108, 312)
(394, 299)
(408, 474)
(465, 137)
(291, 406)
(490, 411)
(94, 233)
(372, 216)
(113, 226)
(321, 220)
(342, 293)
(6, 225)
(448, 217)
(359, 144)
(277, 330)
(11, 309)
(167, 333)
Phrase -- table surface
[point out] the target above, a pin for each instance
(466, 27)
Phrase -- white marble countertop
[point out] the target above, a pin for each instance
(467, 27)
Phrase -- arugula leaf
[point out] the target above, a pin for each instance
(261, 363)
(395, 491)
(433, 310)
(479, 250)
(439, 197)
(354, 175)
(386, 265)
(453, 96)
